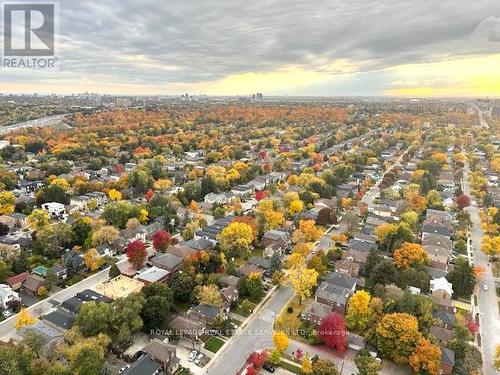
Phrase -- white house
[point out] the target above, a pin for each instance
(55, 209)
(7, 295)
(442, 288)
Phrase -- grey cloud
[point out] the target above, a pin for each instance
(489, 29)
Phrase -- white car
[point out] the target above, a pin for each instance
(199, 358)
(123, 369)
(192, 356)
(7, 313)
(485, 287)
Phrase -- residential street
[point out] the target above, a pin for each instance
(487, 300)
(7, 329)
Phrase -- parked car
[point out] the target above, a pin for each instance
(485, 287)
(123, 369)
(6, 313)
(192, 356)
(199, 358)
(268, 367)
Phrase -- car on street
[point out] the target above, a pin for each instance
(123, 369)
(268, 367)
(192, 356)
(7, 313)
(199, 358)
(485, 287)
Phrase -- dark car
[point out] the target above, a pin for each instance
(268, 367)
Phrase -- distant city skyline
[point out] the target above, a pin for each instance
(277, 47)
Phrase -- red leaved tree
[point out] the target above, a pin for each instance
(136, 253)
(149, 194)
(257, 359)
(161, 240)
(332, 331)
(463, 201)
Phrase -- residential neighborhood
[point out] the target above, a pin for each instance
(251, 237)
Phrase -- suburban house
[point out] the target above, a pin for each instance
(153, 275)
(55, 210)
(32, 284)
(275, 241)
(335, 291)
(7, 296)
(206, 314)
(163, 354)
(447, 361)
(441, 288)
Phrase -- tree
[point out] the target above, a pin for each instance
(496, 359)
(491, 246)
(114, 271)
(257, 359)
(38, 220)
(276, 263)
(426, 358)
(182, 285)
(396, 336)
(107, 234)
(236, 239)
(332, 332)
(318, 263)
(137, 253)
(155, 313)
(94, 318)
(88, 361)
(307, 365)
(385, 234)
(269, 215)
(463, 201)
(275, 357)
(210, 294)
(296, 207)
(118, 213)
(463, 279)
(366, 364)
(302, 280)
(251, 287)
(93, 260)
(410, 254)
(161, 240)
(280, 340)
(324, 367)
(307, 232)
(7, 202)
(24, 318)
(411, 218)
(358, 311)
(114, 195)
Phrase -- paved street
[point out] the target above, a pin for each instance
(7, 329)
(487, 300)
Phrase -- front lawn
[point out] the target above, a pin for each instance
(213, 344)
(289, 322)
(244, 309)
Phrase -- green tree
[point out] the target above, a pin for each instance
(94, 318)
(88, 361)
(366, 364)
(463, 279)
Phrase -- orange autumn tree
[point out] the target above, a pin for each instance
(426, 358)
(409, 254)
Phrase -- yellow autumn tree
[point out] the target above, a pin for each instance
(409, 254)
(426, 358)
(358, 311)
(302, 279)
(114, 195)
(280, 340)
(236, 239)
(143, 216)
(307, 232)
(296, 207)
(38, 220)
(162, 184)
(60, 182)
(7, 202)
(491, 246)
(24, 318)
(306, 366)
(92, 260)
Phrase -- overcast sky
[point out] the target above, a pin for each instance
(320, 47)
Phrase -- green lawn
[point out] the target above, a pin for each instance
(213, 344)
(290, 367)
(245, 313)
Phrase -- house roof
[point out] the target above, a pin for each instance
(159, 350)
(445, 317)
(447, 356)
(145, 365)
(152, 274)
(441, 283)
(50, 334)
(199, 244)
(60, 318)
(260, 262)
(19, 278)
(207, 310)
(91, 295)
(33, 282)
(184, 325)
(441, 333)
(361, 245)
(340, 280)
(166, 261)
(72, 304)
